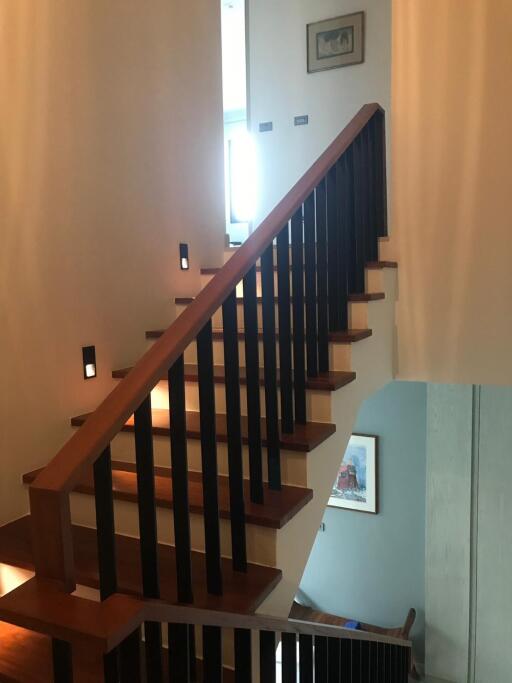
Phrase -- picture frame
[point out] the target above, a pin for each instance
(337, 42)
(356, 485)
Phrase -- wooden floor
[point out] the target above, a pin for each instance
(279, 506)
(304, 438)
(243, 592)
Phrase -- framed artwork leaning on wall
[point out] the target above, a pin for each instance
(337, 42)
(356, 483)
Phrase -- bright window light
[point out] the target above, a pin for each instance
(242, 177)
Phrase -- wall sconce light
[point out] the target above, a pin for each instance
(89, 361)
(184, 257)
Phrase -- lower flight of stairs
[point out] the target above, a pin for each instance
(281, 531)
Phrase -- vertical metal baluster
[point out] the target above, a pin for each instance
(267, 657)
(381, 165)
(252, 372)
(243, 656)
(321, 660)
(234, 431)
(299, 362)
(107, 568)
(285, 330)
(209, 459)
(356, 662)
(381, 663)
(358, 217)
(372, 253)
(310, 284)
(179, 460)
(349, 217)
(332, 251)
(179, 635)
(342, 192)
(179, 653)
(374, 176)
(346, 659)
(289, 657)
(270, 362)
(334, 655)
(148, 531)
(306, 658)
(321, 277)
(212, 654)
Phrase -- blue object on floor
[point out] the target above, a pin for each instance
(355, 625)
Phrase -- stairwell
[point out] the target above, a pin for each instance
(262, 548)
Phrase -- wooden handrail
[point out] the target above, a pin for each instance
(83, 448)
(41, 607)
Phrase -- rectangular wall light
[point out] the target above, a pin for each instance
(184, 257)
(89, 361)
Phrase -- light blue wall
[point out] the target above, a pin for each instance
(372, 567)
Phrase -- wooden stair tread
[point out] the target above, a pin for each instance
(345, 337)
(372, 265)
(243, 592)
(327, 381)
(305, 437)
(279, 506)
(354, 298)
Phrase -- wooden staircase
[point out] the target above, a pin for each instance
(214, 531)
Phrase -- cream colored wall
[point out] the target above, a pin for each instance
(110, 155)
(451, 116)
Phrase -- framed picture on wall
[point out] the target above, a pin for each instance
(356, 484)
(337, 42)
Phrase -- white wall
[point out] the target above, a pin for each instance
(280, 87)
(111, 154)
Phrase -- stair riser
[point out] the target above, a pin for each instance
(357, 313)
(261, 541)
(340, 354)
(318, 402)
(293, 463)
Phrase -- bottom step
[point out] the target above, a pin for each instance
(243, 592)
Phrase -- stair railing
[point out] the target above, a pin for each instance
(329, 223)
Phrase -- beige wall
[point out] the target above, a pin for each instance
(110, 155)
(452, 128)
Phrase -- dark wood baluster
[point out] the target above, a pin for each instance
(252, 371)
(130, 659)
(212, 654)
(357, 672)
(321, 277)
(310, 284)
(374, 662)
(349, 218)
(332, 251)
(192, 652)
(342, 244)
(270, 363)
(389, 668)
(306, 659)
(372, 253)
(243, 656)
(359, 231)
(289, 657)
(346, 660)
(209, 459)
(179, 461)
(382, 173)
(321, 660)
(107, 568)
(334, 658)
(299, 361)
(148, 531)
(179, 653)
(267, 657)
(381, 662)
(285, 330)
(62, 659)
(234, 431)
